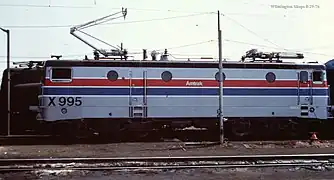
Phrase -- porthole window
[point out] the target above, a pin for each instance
(166, 76)
(112, 75)
(270, 77)
(217, 76)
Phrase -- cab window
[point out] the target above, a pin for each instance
(61, 74)
(303, 77)
(317, 76)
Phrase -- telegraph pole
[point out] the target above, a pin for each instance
(8, 80)
(220, 111)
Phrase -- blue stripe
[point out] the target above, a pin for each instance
(185, 91)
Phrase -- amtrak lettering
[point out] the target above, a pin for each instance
(194, 83)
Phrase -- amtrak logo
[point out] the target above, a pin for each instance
(194, 83)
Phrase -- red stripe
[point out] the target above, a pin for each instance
(180, 83)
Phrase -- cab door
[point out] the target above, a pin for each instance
(138, 94)
(318, 80)
(304, 89)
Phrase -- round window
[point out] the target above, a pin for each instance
(112, 75)
(217, 76)
(166, 76)
(270, 77)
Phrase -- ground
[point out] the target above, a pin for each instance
(171, 149)
(163, 149)
(189, 174)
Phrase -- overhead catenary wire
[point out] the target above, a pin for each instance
(44, 6)
(51, 5)
(211, 12)
(319, 47)
(91, 7)
(188, 45)
(269, 41)
(150, 20)
(132, 9)
(95, 5)
(127, 22)
(252, 32)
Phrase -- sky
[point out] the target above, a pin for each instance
(187, 28)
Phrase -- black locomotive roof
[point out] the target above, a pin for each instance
(180, 64)
(330, 64)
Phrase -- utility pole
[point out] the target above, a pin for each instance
(220, 111)
(8, 81)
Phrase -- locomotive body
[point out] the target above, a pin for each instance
(79, 90)
(25, 88)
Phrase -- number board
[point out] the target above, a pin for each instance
(65, 101)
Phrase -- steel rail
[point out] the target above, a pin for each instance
(235, 158)
(17, 169)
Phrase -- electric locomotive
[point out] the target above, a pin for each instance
(25, 88)
(109, 95)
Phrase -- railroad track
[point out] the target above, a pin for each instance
(93, 164)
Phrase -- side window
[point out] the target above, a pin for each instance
(317, 76)
(112, 75)
(166, 76)
(303, 76)
(270, 77)
(61, 74)
(217, 76)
